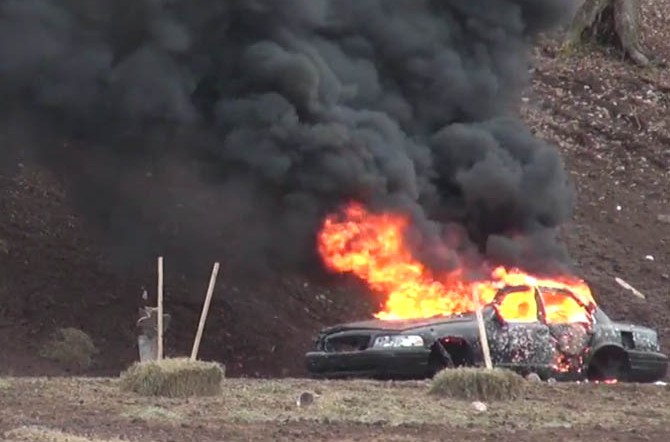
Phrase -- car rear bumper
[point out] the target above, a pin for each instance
(646, 366)
(406, 362)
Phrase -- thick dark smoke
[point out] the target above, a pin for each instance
(199, 127)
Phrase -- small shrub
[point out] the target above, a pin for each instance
(179, 377)
(70, 347)
(478, 384)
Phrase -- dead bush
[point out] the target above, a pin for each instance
(471, 383)
(178, 377)
(70, 347)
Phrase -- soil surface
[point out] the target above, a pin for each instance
(58, 410)
(610, 119)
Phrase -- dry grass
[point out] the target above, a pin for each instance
(4, 384)
(98, 404)
(38, 434)
(151, 413)
(71, 348)
(179, 377)
(478, 384)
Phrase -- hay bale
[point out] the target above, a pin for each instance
(470, 383)
(177, 377)
(70, 347)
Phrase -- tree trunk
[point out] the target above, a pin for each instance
(611, 22)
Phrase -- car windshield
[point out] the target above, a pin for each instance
(599, 316)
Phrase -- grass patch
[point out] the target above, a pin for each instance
(71, 348)
(39, 434)
(178, 377)
(478, 384)
(151, 413)
(109, 412)
(4, 384)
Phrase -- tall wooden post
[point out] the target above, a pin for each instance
(160, 309)
(205, 310)
(483, 337)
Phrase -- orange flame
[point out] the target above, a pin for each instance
(372, 246)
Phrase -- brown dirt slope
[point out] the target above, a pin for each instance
(609, 118)
(54, 275)
(611, 121)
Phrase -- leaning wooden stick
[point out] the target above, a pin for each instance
(483, 338)
(159, 356)
(627, 286)
(205, 310)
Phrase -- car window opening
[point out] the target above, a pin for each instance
(519, 306)
(561, 308)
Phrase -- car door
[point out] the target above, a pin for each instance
(570, 324)
(517, 335)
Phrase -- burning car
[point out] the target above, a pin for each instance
(548, 325)
(526, 333)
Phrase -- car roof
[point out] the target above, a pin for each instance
(408, 324)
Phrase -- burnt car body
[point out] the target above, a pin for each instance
(595, 349)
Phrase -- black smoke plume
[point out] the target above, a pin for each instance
(200, 127)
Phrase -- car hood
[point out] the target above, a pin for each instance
(400, 324)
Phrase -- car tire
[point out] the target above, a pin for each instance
(609, 363)
(438, 360)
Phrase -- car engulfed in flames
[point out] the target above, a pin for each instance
(549, 326)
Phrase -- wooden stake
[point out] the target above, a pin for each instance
(627, 286)
(160, 308)
(483, 338)
(205, 310)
